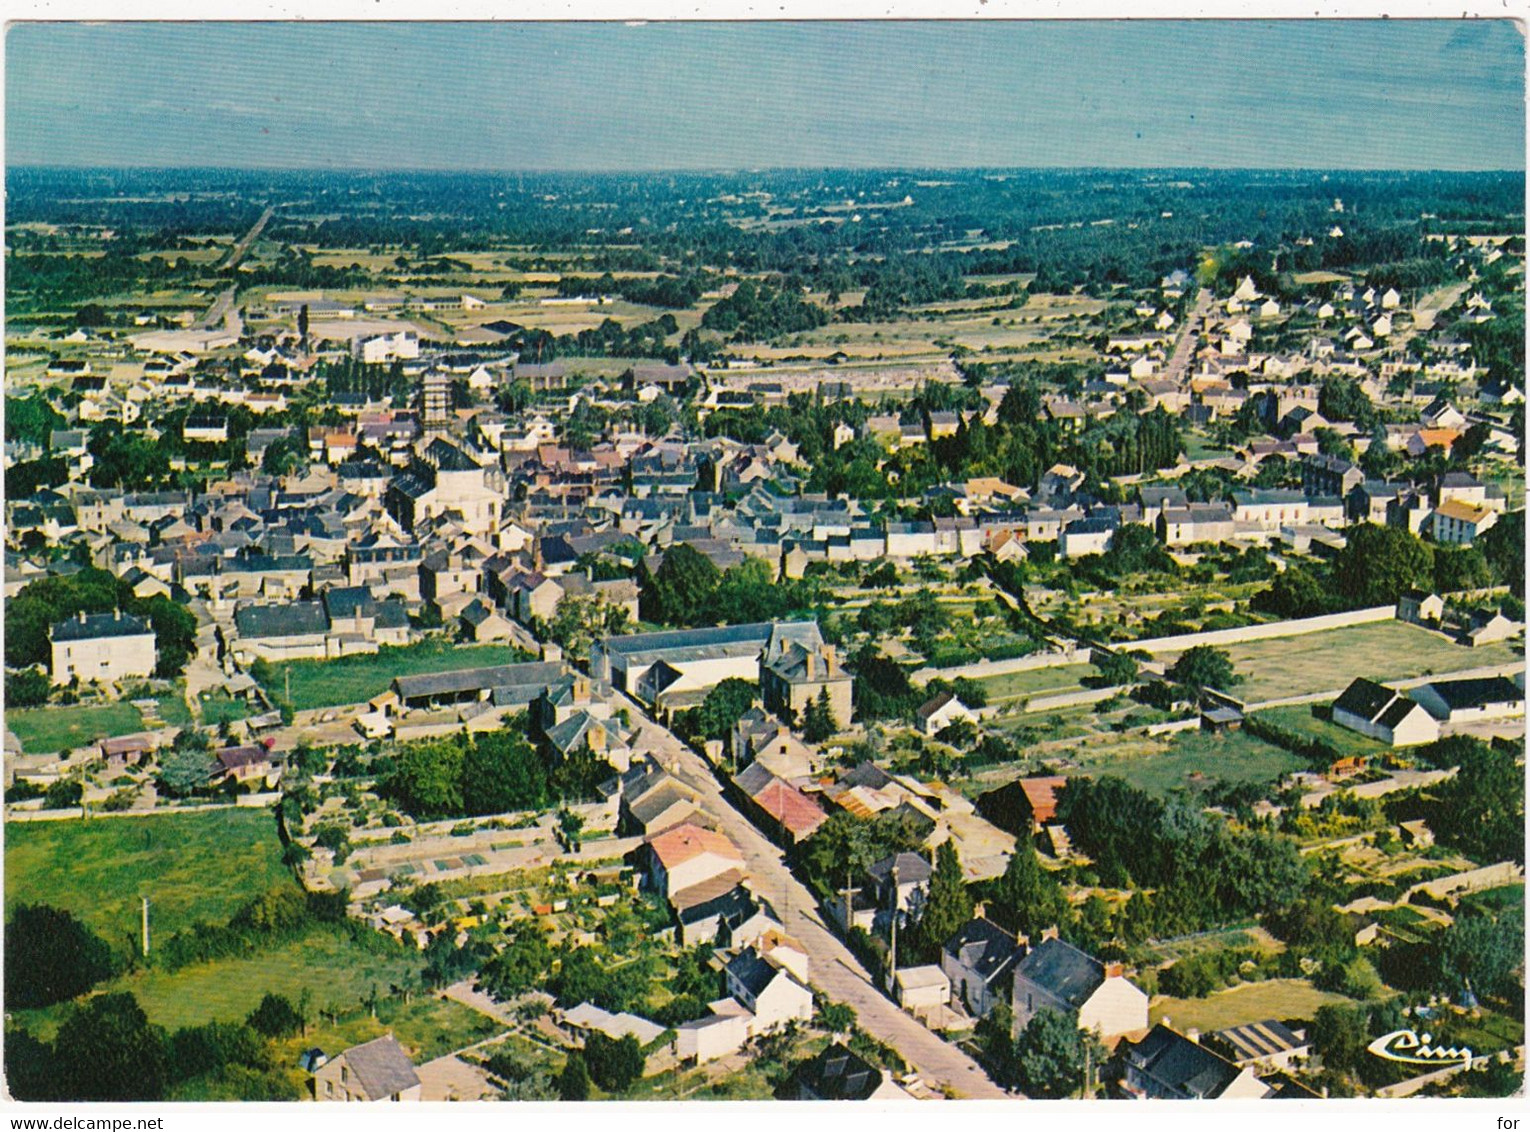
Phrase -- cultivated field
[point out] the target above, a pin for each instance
(49, 729)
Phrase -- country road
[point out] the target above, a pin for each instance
(1184, 349)
(835, 970)
(237, 252)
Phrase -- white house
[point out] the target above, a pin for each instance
(942, 711)
(1058, 976)
(102, 646)
(1383, 714)
(771, 993)
(922, 989)
(716, 1035)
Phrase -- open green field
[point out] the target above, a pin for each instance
(64, 727)
(430, 1027)
(1036, 681)
(193, 866)
(1248, 1002)
(356, 679)
(43, 730)
(1189, 758)
(337, 973)
(1299, 717)
(1317, 662)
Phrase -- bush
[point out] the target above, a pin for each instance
(276, 1017)
(51, 957)
(63, 794)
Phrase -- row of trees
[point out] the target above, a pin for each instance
(688, 589)
(490, 772)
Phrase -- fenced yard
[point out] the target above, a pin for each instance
(1386, 650)
(356, 679)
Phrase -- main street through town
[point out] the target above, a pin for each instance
(835, 970)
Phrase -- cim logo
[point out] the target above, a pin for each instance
(1409, 1047)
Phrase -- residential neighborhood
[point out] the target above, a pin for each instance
(758, 635)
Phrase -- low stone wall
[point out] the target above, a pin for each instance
(1270, 631)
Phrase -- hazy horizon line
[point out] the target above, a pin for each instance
(658, 170)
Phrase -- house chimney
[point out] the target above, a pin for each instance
(1048, 933)
(828, 660)
(1194, 1035)
(1114, 970)
(980, 911)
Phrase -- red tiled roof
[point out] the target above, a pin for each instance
(1041, 793)
(791, 807)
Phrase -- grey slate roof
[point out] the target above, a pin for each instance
(984, 948)
(912, 868)
(1063, 971)
(1179, 1066)
(382, 1067)
(1477, 691)
(299, 619)
(753, 972)
(94, 626)
(479, 679)
(836, 1074)
(1364, 698)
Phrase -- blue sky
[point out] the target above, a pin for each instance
(1352, 94)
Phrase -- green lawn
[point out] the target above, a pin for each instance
(430, 1027)
(191, 867)
(219, 708)
(1235, 757)
(1036, 682)
(1317, 662)
(356, 679)
(338, 974)
(1299, 717)
(43, 730)
(1248, 1002)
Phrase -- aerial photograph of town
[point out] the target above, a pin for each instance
(764, 562)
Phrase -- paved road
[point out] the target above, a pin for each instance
(219, 311)
(236, 253)
(835, 970)
(1184, 349)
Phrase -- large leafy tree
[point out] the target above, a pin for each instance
(1204, 667)
(1054, 1058)
(1504, 547)
(427, 778)
(51, 957)
(679, 588)
(1380, 564)
(574, 1082)
(521, 966)
(723, 706)
(613, 1064)
(185, 770)
(106, 1050)
(1028, 899)
(501, 771)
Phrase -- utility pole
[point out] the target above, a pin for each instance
(145, 927)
